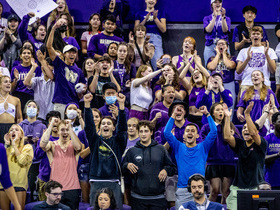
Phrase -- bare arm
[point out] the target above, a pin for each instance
(228, 137)
(93, 84)
(84, 46)
(45, 143)
(27, 81)
(251, 126)
(242, 65)
(44, 65)
(51, 51)
(228, 63)
(75, 140)
(212, 65)
(146, 78)
(18, 112)
(211, 25)
(2, 43)
(161, 24)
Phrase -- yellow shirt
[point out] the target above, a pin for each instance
(19, 166)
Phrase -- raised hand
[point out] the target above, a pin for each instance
(227, 112)
(240, 117)
(245, 39)
(131, 37)
(249, 108)
(249, 53)
(266, 48)
(33, 63)
(223, 12)
(31, 14)
(158, 115)
(41, 57)
(7, 139)
(210, 83)
(155, 14)
(121, 98)
(128, 83)
(203, 110)
(16, 74)
(88, 98)
(114, 110)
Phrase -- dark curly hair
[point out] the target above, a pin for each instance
(110, 193)
(175, 82)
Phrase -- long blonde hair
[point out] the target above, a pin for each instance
(54, 13)
(20, 144)
(251, 91)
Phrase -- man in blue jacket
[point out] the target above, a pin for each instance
(148, 164)
(190, 156)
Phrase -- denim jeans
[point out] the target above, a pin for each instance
(156, 40)
(209, 51)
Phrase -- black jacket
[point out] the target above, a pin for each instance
(150, 161)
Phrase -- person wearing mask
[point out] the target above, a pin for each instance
(73, 113)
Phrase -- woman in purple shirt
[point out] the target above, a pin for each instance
(216, 26)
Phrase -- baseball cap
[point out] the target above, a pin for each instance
(69, 47)
(13, 17)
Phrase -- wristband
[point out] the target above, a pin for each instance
(208, 114)
(266, 112)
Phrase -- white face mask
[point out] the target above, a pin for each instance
(71, 114)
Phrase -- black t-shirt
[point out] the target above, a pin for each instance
(250, 166)
(46, 206)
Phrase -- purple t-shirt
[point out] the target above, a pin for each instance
(105, 111)
(99, 43)
(44, 167)
(66, 77)
(159, 107)
(83, 138)
(217, 30)
(257, 109)
(151, 26)
(131, 143)
(71, 40)
(180, 63)
(4, 172)
(194, 93)
(23, 71)
(228, 74)
(272, 171)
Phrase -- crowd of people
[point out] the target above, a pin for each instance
(108, 123)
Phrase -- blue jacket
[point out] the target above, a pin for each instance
(212, 206)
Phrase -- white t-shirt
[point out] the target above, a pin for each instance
(257, 62)
(86, 36)
(5, 71)
(141, 96)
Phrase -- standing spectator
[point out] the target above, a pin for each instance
(241, 34)
(73, 113)
(197, 185)
(118, 8)
(94, 27)
(140, 50)
(98, 44)
(216, 26)
(148, 164)
(112, 50)
(190, 156)
(62, 7)
(10, 42)
(277, 72)
(39, 32)
(12, 113)
(141, 93)
(132, 133)
(42, 86)
(33, 130)
(155, 22)
(19, 160)
(225, 64)
(66, 73)
(256, 57)
(105, 199)
(19, 73)
(104, 171)
(66, 148)
(5, 179)
(53, 192)
(272, 161)
(3, 21)
(251, 156)
(44, 167)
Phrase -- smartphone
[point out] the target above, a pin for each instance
(166, 60)
(29, 139)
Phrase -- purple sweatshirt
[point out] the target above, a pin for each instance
(105, 111)
(44, 167)
(4, 172)
(99, 43)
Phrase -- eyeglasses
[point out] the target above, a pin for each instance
(57, 194)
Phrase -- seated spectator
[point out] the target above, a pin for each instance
(5, 180)
(141, 93)
(112, 50)
(19, 160)
(103, 74)
(39, 154)
(62, 8)
(94, 27)
(124, 71)
(119, 9)
(73, 113)
(169, 76)
(225, 64)
(3, 21)
(190, 156)
(264, 186)
(140, 50)
(66, 148)
(272, 161)
(39, 32)
(215, 92)
(197, 84)
(53, 192)
(66, 73)
(260, 94)
(216, 26)
(189, 50)
(251, 156)
(105, 199)
(10, 42)
(220, 162)
(98, 44)
(19, 73)
(256, 57)
(42, 86)
(241, 34)
(155, 22)
(159, 112)
(104, 171)
(111, 106)
(147, 164)
(10, 107)
(197, 185)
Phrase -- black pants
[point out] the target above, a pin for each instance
(32, 177)
(71, 198)
(145, 204)
(23, 97)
